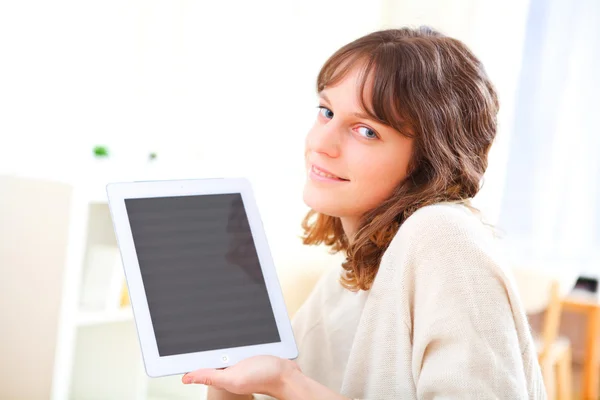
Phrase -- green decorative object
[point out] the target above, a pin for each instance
(101, 151)
(152, 156)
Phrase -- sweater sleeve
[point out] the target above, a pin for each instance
(465, 341)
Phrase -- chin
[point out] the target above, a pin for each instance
(324, 203)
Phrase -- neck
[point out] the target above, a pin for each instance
(350, 226)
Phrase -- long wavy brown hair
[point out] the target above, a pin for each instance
(428, 87)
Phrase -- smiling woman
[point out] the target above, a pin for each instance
(423, 307)
(346, 141)
(410, 110)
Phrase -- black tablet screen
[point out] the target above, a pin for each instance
(201, 273)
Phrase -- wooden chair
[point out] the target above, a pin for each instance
(541, 292)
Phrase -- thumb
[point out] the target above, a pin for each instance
(209, 377)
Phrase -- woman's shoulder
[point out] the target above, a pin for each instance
(441, 219)
(443, 229)
(446, 245)
(445, 215)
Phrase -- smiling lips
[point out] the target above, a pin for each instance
(325, 175)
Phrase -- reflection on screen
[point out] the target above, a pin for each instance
(201, 273)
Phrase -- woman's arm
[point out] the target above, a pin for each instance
(219, 394)
(470, 334)
(298, 386)
(273, 376)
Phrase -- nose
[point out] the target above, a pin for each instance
(325, 139)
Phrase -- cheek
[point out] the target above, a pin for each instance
(376, 179)
(375, 172)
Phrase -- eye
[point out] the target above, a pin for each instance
(367, 132)
(325, 112)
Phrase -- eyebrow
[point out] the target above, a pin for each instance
(356, 114)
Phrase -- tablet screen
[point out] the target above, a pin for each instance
(201, 273)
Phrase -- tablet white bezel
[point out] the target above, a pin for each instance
(176, 364)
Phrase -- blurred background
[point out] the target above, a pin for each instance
(96, 92)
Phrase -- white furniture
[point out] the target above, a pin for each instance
(52, 346)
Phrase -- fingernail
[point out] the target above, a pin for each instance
(188, 379)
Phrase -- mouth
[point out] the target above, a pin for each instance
(323, 174)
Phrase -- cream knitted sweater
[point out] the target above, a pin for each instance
(441, 321)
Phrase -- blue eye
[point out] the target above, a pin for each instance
(326, 112)
(367, 132)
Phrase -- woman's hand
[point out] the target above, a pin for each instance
(260, 374)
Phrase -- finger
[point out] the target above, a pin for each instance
(189, 377)
(209, 377)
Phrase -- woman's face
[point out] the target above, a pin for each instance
(353, 163)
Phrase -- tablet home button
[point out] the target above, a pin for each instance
(224, 358)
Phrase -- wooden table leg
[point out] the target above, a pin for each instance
(591, 367)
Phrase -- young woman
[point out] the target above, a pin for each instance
(423, 306)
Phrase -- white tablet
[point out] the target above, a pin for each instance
(201, 278)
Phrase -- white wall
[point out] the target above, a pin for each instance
(227, 84)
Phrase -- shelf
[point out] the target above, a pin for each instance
(87, 318)
(107, 364)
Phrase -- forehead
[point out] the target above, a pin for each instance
(348, 89)
(369, 85)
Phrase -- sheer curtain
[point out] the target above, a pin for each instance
(550, 209)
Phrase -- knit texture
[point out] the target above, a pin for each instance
(442, 320)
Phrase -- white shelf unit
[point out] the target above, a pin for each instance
(90, 318)
(86, 353)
